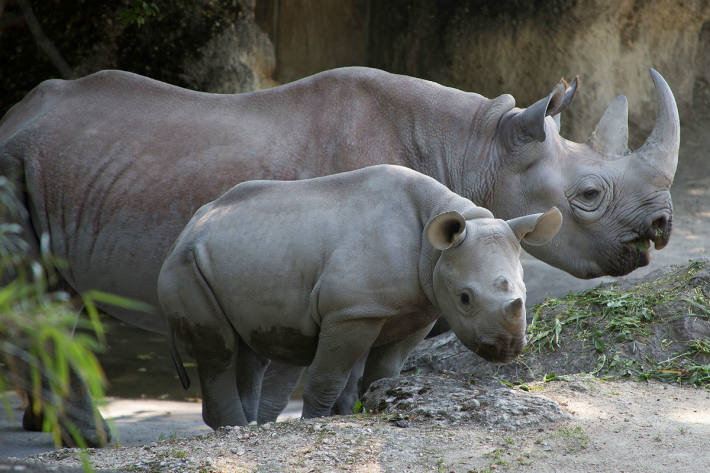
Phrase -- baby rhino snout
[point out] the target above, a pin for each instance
(510, 342)
(504, 350)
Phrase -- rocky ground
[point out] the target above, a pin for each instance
(591, 425)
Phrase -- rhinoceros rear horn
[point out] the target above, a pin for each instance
(537, 229)
(661, 147)
(611, 135)
(532, 119)
(446, 230)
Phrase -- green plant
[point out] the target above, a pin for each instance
(138, 12)
(619, 324)
(574, 438)
(43, 341)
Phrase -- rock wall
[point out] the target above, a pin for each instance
(523, 47)
(520, 47)
(203, 45)
(314, 35)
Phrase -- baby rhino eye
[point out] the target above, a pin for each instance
(465, 299)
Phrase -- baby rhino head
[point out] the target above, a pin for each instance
(478, 279)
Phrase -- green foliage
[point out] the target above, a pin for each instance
(616, 323)
(38, 346)
(137, 13)
(358, 408)
(42, 337)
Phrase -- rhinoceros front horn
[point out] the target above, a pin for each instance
(661, 148)
(611, 135)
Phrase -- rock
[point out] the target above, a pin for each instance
(452, 401)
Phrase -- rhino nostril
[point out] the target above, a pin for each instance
(660, 230)
(660, 223)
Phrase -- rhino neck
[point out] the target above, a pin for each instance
(480, 166)
(438, 130)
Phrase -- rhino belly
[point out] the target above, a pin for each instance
(122, 256)
(285, 344)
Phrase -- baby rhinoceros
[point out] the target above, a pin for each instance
(322, 271)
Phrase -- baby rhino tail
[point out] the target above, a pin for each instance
(177, 361)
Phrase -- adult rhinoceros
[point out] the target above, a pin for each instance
(113, 165)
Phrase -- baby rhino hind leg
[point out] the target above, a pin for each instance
(198, 321)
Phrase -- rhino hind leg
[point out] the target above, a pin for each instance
(250, 374)
(278, 383)
(80, 415)
(195, 316)
(221, 405)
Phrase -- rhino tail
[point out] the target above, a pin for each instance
(177, 361)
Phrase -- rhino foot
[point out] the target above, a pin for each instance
(30, 421)
(80, 419)
(91, 436)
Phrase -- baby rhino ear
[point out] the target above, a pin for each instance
(446, 230)
(537, 229)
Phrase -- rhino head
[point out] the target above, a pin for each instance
(615, 202)
(478, 279)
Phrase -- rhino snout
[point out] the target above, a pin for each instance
(504, 350)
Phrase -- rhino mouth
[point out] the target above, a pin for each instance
(639, 250)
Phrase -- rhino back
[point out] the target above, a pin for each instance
(282, 255)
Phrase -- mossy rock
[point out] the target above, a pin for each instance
(658, 328)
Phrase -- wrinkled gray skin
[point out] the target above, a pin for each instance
(113, 165)
(322, 271)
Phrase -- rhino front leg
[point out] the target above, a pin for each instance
(250, 374)
(277, 385)
(79, 416)
(340, 345)
(386, 361)
(349, 395)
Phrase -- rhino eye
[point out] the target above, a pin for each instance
(591, 194)
(466, 299)
(588, 196)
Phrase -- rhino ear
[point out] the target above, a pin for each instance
(570, 92)
(532, 119)
(446, 230)
(537, 229)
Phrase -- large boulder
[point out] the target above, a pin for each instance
(451, 401)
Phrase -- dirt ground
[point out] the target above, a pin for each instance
(614, 426)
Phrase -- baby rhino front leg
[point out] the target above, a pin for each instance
(341, 344)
